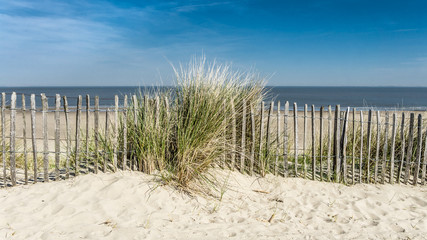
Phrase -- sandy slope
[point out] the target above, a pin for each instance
(125, 206)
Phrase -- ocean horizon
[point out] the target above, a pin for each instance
(381, 98)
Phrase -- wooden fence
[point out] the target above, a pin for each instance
(39, 144)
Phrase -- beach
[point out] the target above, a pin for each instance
(133, 205)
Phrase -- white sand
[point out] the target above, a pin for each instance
(122, 206)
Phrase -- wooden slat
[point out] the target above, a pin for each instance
(45, 139)
(24, 135)
(368, 158)
(393, 146)
(96, 155)
(353, 152)
(225, 148)
(135, 121)
(251, 171)
(410, 146)
(77, 146)
(377, 153)
(261, 138)
(87, 154)
(243, 142)
(107, 136)
(337, 143)
(268, 137)
(167, 128)
(12, 139)
(33, 134)
(57, 135)
(125, 133)
(3, 136)
(402, 140)
(276, 166)
(313, 143)
(361, 148)
(68, 137)
(286, 140)
(321, 142)
(385, 151)
(296, 139)
(116, 131)
(344, 145)
(304, 141)
(233, 135)
(423, 170)
(419, 148)
(328, 167)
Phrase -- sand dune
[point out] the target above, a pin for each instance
(131, 205)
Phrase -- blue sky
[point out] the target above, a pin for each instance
(294, 43)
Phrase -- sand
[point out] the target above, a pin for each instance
(133, 205)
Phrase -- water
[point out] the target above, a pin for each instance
(413, 98)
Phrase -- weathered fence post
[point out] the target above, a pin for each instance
(87, 155)
(233, 135)
(45, 139)
(304, 141)
(313, 143)
(377, 154)
(116, 131)
(337, 143)
(12, 138)
(393, 146)
(276, 166)
(77, 149)
(321, 143)
(243, 142)
(285, 141)
(3, 136)
(253, 141)
(33, 134)
(296, 139)
(353, 157)
(24, 136)
(57, 135)
(135, 161)
(383, 165)
(402, 139)
(361, 148)
(96, 157)
(419, 147)
(368, 160)
(410, 145)
(328, 167)
(125, 133)
(68, 138)
(107, 113)
(261, 136)
(344, 146)
(268, 137)
(423, 175)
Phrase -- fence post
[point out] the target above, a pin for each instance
(304, 141)
(337, 143)
(353, 157)
(261, 137)
(233, 135)
(224, 154)
(296, 139)
(383, 165)
(253, 141)
(125, 133)
(285, 141)
(57, 134)
(328, 167)
(68, 138)
(402, 139)
(268, 137)
(104, 169)
(377, 154)
(116, 131)
(313, 143)
(321, 143)
(24, 135)
(12, 138)
(135, 120)
(45, 139)
(423, 175)
(3, 136)
(393, 146)
(243, 150)
(361, 148)
(344, 145)
(419, 147)
(77, 150)
(87, 131)
(276, 166)
(410, 145)
(368, 161)
(96, 157)
(33, 134)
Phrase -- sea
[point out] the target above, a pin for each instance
(380, 98)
